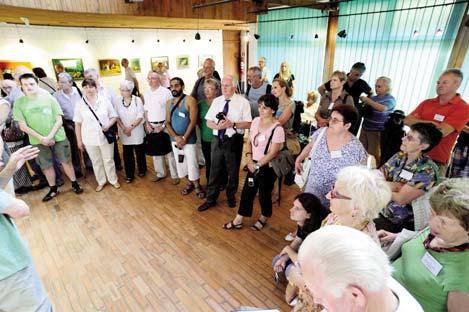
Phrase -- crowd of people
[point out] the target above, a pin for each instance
(352, 220)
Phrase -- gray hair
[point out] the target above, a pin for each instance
(92, 71)
(345, 256)
(127, 85)
(232, 78)
(66, 76)
(256, 70)
(387, 82)
(210, 60)
(154, 72)
(455, 72)
(213, 82)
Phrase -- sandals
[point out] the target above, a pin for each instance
(231, 226)
(259, 225)
(200, 192)
(188, 189)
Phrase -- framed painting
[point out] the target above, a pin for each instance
(202, 58)
(135, 65)
(159, 59)
(7, 66)
(73, 66)
(182, 61)
(109, 67)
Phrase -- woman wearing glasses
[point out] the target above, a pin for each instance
(266, 137)
(335, 149)
(410, 173)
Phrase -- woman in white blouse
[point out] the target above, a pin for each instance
(90, 133)
(131, 133)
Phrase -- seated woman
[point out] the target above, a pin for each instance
(355, 200)
(410, 173)
(308, 214)
(434, 265)
(266, 138)
(336, 148)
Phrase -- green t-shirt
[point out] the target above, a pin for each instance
(14, 255)
(431, 291)
(207, 133)
(40, 114)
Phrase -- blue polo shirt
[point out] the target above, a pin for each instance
(375, 122)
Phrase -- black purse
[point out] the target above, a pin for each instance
(109, 134)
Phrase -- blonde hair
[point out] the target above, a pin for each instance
(452, 196)
(369, 191)
(313, 96)
(285, 75)
(340, 74)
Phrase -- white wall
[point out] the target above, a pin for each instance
(43, 43)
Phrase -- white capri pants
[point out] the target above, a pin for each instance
(102, 158)
(189, 166)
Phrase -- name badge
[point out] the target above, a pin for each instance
(336, 154)
(407, 175)
(261, 138)
(331, 106)
(431, 264)
(181, 114)
(439, 117)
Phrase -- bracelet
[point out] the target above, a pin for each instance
(248, 153)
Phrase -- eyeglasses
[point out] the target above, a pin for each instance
(334, 120)
(410, 138)
(337, 195)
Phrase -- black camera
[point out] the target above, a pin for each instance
(220, 116)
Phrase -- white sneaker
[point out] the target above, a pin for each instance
(289, 237)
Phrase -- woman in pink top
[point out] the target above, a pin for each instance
(266, 138)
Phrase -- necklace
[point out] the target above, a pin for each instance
(123, 103)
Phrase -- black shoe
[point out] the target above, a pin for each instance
(77, 188)
(40, 186)
(205, 206)
(128, 180)
(51, 194)
(231, 202)
(23, 190)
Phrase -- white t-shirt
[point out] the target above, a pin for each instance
(238, 110)
(91, 131)
(155, 103)
(127, 115)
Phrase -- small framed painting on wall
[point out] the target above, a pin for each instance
(109, 67)
(182, 61)
(155, 61)
(72, 66)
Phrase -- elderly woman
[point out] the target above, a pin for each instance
(355, 200)
(333, 98)
(308, 214)
(286, 74)
(265, 140)
(410, 173)
(433, 265)
(131, 132)
(331, 149)
(93, 116)
(380, 107)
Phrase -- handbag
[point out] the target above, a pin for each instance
(109, 134)
(301, 179)
(284, 162)
(12, 131)
(292, 142)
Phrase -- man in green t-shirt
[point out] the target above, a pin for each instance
(40, 116)
(20, 286)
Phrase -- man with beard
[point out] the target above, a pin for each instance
(181, 118)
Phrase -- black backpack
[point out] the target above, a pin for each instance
(299, 109)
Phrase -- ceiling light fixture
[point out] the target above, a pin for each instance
(439, 32)
(415, 34)
(197, 34)
(257, 36)
(316, 36)
(342, 33)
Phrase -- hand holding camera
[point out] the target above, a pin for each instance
(223, 122)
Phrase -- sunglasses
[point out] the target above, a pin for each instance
(337, 195)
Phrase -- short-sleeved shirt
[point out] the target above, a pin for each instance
(206, 132)
(289, 81)
(67, 102)
(355, 90)
(424, 175)
(238, 110)
(375, 122)
(40, 114)
(429, 290)
(326, 105)
(127, 115)
(259, 138)
(454, 113)
(91, 131)
(254, 95)
(14, 255)
(155, 103)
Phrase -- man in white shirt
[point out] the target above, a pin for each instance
(155, 115)
(228, 116)
(345, 270)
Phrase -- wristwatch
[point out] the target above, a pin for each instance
(257, 168)
(234, 126)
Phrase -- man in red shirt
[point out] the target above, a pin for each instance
(448, 111)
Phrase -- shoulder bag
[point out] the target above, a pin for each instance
(283, 163)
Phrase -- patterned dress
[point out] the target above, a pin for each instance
(326, 164)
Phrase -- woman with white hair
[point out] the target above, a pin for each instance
(376, 112)
(131, 132)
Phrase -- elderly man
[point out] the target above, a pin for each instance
(40, 116)
(130, 75)
(108, 92)
(264, 70)
(68, 96)
(155, 115)
(208, 72)
(448, 111)
(345, 270)
(228, 116)
(256, 88)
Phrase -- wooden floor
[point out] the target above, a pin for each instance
(146, 248)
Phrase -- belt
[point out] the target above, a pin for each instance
(158, 122)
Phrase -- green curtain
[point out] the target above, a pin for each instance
(411, 47)
(303, 51)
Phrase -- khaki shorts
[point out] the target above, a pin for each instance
(60, 150)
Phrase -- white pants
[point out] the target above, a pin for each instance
(190, 166)
(102, 158)
(160, 167)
